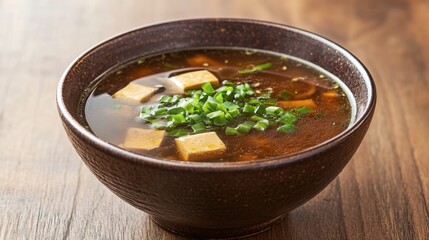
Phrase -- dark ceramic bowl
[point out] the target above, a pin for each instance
(216, 199)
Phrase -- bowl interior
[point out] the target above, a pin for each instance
(200, 33)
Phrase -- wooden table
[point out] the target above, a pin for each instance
(46, 192)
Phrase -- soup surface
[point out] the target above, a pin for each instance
(275, 86)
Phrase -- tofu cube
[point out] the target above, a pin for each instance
(144, 139)
(135, 92)
(200, 146)
(194, 80)
(298, 103)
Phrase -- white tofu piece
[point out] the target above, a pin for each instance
(200, 146)
(194, 80)
(144, 139)
(135, 92)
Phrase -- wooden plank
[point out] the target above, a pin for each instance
(47, 193)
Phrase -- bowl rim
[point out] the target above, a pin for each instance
(266, 162)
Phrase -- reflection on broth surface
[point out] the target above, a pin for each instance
(287, 105)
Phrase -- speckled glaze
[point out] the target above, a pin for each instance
(215, 200)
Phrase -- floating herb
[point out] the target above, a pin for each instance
(285, 95)
(257, 68)
(235, 108)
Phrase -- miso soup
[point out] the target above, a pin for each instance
(217, 105)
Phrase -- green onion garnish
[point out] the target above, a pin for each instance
(249, 108)
(161, 111)
(179, 132)
(261, 125)
(245, 127)
(231, 131)
(234, 112)
(176, 110)
(215, 114)
(302, 110)
(235, 109)
(198, 127)
(178, 118)
(257, 68)
(208, 88)
(287, 117)
(287, 128)
(285, 95)
(272, 110)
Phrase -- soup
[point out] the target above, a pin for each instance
(217, 105)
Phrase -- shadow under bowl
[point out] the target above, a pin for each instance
(215, 200)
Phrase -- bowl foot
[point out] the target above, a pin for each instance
(215, 233)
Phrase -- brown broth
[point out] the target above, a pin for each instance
(109, 118)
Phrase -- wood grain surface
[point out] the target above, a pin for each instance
(46, 192)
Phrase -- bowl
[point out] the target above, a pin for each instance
(215, 200)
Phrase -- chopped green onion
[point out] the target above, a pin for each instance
(145, 109)
(257, 68)
(175, 99)
(178, 118)
(165, 99)
(208, 108)
(265, 95)
(285, 95)
(230, 105)
(234, 112)
(288, 117)
(257, 118)
(254, 101)
(220, 120)
(218, 96)
(198, 127)
(261, 125)
(222, 108)
(207, 121)
(221, 89)
(161, 111)
(170, 124)
(227, 83)
(189, 108)
(270, 101)
(179, 132)
(272, 110)
(145, 116)
(228, 116)
(249, 108)
(231, 131)
(261, 110)
(303, 110)
(215, 114)
(169, 99)
(194, 117)
(287, 128)
(242, 90)
(208, 88)
(245, 127)
(176, 110)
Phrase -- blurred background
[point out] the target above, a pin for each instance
(46, 192)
